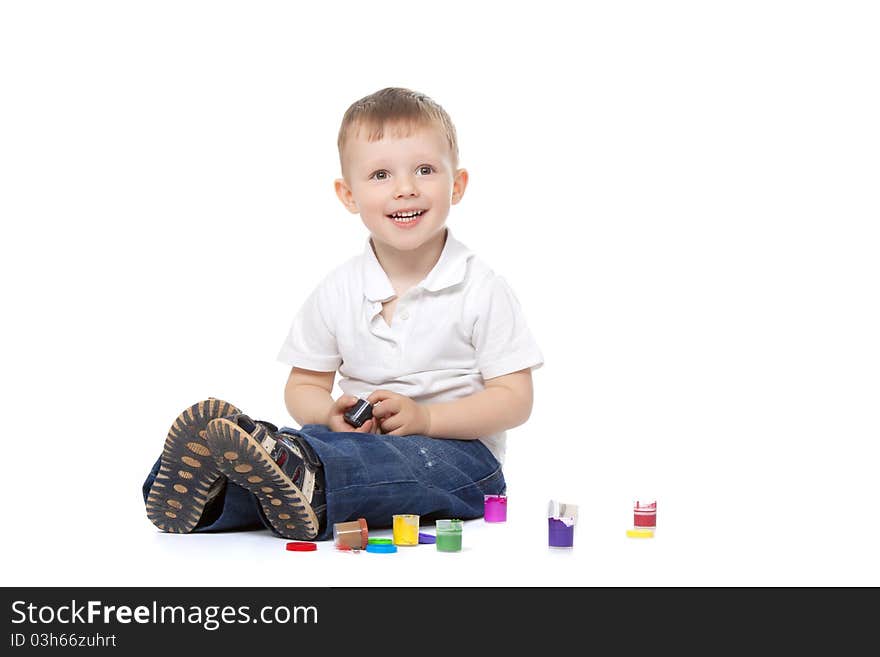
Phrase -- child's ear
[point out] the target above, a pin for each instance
(343, 191)
(459, 184)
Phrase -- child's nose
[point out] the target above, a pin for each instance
(405, 187)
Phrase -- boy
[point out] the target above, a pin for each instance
(417, 325)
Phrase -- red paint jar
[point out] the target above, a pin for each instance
(645, 514)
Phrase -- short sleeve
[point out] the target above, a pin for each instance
(501, 337)
(311, 342)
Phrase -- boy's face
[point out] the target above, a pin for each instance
(402, 186)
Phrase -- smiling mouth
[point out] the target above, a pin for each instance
(406, 217)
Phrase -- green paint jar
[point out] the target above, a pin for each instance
(448, 535)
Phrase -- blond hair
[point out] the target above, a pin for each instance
(402, 108)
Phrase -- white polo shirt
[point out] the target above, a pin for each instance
(451, 332)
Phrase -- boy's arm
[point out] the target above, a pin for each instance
(308, 399)
(307, 395)
(505, 403)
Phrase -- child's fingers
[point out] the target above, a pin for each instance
(387, 408)
(380, 395)
(345, 402)
(366, 427)
(392, 423)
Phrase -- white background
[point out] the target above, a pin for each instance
(684, 196)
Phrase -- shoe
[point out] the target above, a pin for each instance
(280, 469)
(187, 477)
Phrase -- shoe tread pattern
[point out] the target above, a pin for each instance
(243, 460)
(187, 472)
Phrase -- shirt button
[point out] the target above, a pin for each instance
(404, 315)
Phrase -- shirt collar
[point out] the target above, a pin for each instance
(450, 270)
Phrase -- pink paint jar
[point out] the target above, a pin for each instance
(495, 508)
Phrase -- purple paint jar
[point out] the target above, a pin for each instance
(561, 534)
(561, 521)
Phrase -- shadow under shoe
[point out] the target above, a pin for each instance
(279, 469)
(188, 477)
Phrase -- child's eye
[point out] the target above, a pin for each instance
(425, 169)
(380, 175)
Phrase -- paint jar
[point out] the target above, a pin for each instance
(495, 508)
(351, 535)
(645, 514)
(405, 529)
(359, 413)
(449, 535)
(561, 519)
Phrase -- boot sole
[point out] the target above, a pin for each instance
(186, 470)
(243, 460)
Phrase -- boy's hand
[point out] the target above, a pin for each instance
(337, 422)
(398, 415)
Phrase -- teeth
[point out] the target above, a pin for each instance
(406, 217)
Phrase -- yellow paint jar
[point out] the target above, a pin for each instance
(405, 529)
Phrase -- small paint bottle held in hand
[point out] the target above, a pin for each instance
(359, 413)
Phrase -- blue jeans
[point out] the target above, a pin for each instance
(373, 477)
